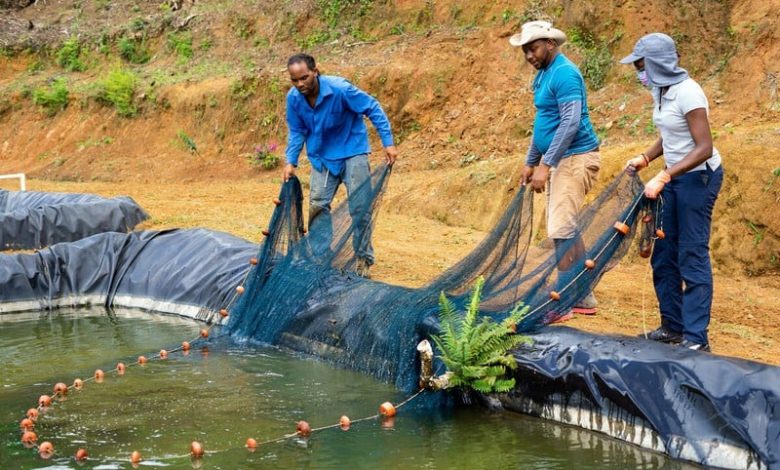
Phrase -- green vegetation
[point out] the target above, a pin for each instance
(181, 44)
(264, 156)
(134, 50)
(52, 98)
(476, 352)
(597, 60)
(68, 56)
(187, 142)
(242, 26)
(118, 89)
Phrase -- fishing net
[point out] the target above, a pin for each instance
(304, 292)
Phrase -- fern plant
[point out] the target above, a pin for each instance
(476, 351)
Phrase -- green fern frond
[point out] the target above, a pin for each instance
(475, 349)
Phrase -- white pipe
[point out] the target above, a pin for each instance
(20, 176)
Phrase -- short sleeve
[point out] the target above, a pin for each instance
(567, 84)
(691, 97)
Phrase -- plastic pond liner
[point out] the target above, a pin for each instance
(300, 291)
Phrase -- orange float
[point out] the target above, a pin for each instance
(196, 450)
(387, 409)
(277, 201)
(266, 232)
(32, 413)
(135, 457)
(660, 234)
(240, 289)
(223, 313)
(555, 295)
(204, 333)
(185, 346)
(99, 375)
(29, 437)
(163, 354)
(645, 253)
(60, 389)
(121, 368)
(81, 455)
(251, 444)
(345, 423)
(622, 228)
(78, 384)
(303, 429)
(44, 401)
(590, 264)
(46, 450)
(253, 261)
(142, 360)
(26, 424)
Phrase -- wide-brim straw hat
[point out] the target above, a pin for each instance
(534, 30)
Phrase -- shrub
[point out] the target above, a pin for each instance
(187, 142)
(134, 51)
(476, 353)
(52, 98)
(181, 44)
(68, 56)
(597, 60)
(118, 89)
(264, 156)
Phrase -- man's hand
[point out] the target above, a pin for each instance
(391, 153)
(525, 178)
(288, 172)
(539, 178)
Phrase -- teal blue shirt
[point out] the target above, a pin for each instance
(559, 83)
(333, 130)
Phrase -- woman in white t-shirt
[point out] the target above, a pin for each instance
(688, 184)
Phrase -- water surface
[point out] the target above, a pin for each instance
(235, 392)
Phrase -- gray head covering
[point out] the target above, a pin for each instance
(660, 56)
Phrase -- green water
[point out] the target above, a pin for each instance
(235, 392)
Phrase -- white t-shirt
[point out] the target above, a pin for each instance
(679, 100)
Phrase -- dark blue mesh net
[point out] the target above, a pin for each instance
(304, 292)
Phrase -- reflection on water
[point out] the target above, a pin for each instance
(233, 393)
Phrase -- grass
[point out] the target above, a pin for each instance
(187, 142)
(597, 60)
(181, 45)
(133, 50)
(68, 56)
(118, 89)
(52, 98)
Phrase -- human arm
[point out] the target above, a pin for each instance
(693, 105)
(296, 137)
(361, 102)
(532, 159)
(642, 161)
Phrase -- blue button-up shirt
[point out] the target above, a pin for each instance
(333, 130)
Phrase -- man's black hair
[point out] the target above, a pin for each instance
(302, 58)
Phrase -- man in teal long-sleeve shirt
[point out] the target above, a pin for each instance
(326, 114)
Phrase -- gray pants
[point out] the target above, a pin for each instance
(357, 179)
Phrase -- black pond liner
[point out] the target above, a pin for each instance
(31, 220)
(303, 294)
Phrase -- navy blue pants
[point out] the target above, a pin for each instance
(682, 272)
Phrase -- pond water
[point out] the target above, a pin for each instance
(235, 392)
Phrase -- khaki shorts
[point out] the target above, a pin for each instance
(569, 183)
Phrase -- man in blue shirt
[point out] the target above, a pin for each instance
(564, 147)
(326, 113)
